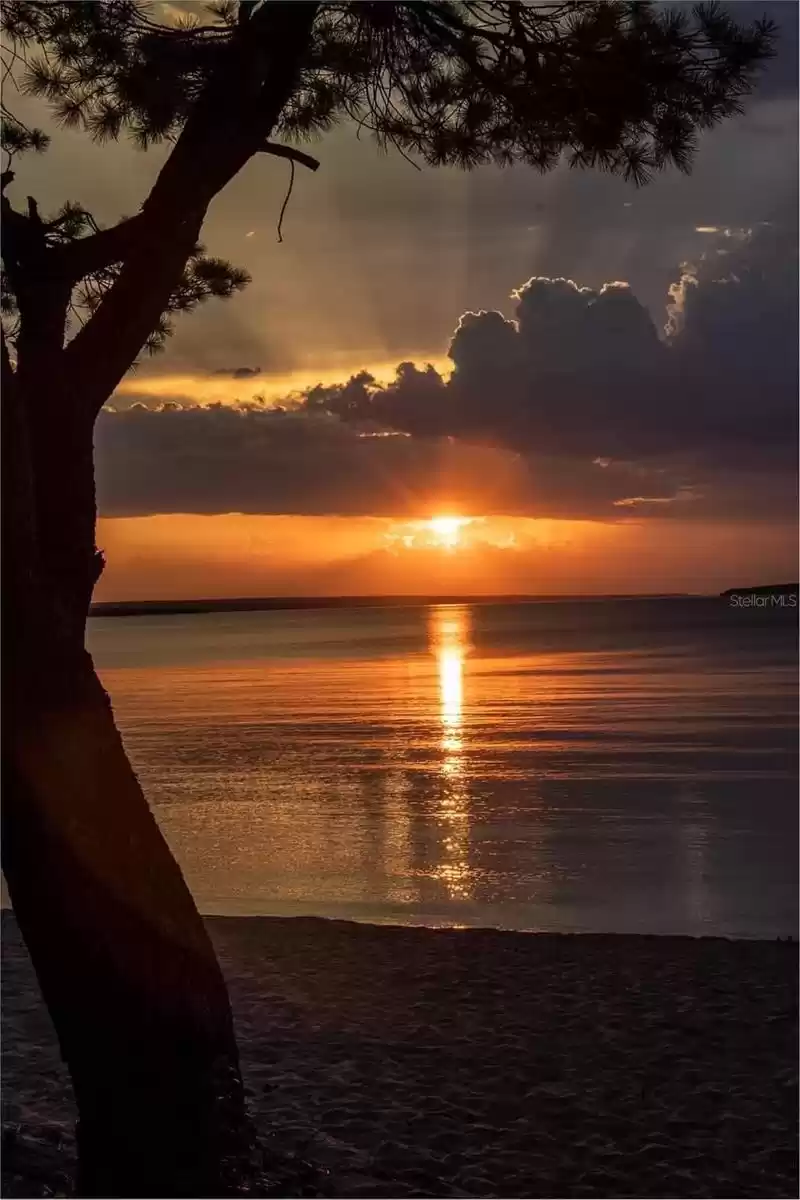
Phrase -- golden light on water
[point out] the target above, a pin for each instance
(449, 638)
(449, 632)
(451, 685)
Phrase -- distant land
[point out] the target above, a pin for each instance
(143, 608)
(763, 589)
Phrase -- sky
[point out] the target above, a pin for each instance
(600, 381)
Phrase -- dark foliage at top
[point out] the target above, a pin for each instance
(620, 86)
(623, 87)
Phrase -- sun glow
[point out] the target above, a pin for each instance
(447, 530)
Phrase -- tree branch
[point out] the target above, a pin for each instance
(213, 146)
(441, 16)
(459, 37)
(86, 255)
(294, 156)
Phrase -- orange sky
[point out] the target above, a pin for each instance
(199, 388)
(177, 556)
(377, 263)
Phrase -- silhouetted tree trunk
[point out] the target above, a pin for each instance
(124, 961)
(123, 958)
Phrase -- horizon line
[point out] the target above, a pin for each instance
(112, 607)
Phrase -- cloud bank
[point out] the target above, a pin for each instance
(575, 404)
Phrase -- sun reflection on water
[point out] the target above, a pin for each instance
(449, 633)
(451, 684)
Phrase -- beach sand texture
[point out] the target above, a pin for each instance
(477, 1063)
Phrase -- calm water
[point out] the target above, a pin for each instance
(614, 766)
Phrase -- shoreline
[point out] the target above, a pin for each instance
(439, 1062)
(443, 924)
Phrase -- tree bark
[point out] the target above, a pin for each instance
(123, 959)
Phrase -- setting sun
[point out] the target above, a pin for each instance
(447, 530)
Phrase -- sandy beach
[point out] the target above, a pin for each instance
(476, 1063)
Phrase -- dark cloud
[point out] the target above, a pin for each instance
(584, 373)
(255, 460)
(575, 406)
(238, 372)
